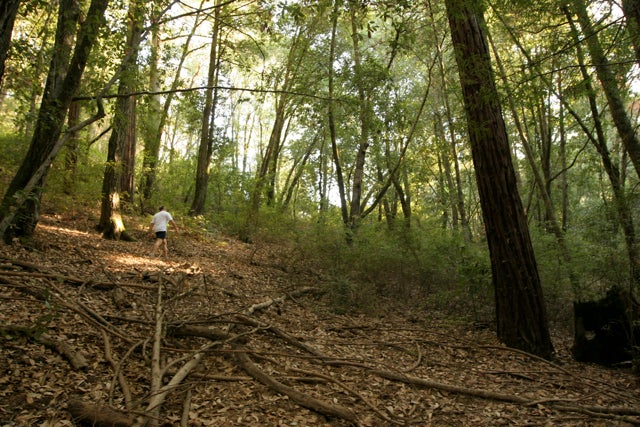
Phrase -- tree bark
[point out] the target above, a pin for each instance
(520, 311)
(8, 12)
(71, 155)
(118, 175)
(631, 10)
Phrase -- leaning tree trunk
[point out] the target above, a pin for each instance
(19, 215)
(520, 310)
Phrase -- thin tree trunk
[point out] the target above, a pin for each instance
(265, 178)
(71, 154)
(344, 209)
(520, 311)
(152, 123)
(155, 127)
(460, 209)
(541, 177)
(355, 212)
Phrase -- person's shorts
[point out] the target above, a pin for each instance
(161, 234)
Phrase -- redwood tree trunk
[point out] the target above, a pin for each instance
(117, 184)
(520, 310)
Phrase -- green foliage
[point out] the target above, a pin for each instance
(424, 267)
(12, 150)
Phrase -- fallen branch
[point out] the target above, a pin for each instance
(310, 402)
(349, 390)
(272, 301)
(97, 416)
(75, 358)
(600, 411)
(124, 386)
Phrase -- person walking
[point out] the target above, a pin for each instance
(159, 226)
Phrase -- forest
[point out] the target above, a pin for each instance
(389, 212)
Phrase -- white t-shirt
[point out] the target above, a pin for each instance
(160, 221)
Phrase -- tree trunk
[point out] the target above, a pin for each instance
(460, 209)
(355, 211)
(151, 124)
(520, 311)
(118, 174)
(62, 83)
(631, 10)
(265, 178)
(71, 155)
(206, 133)
(344, 209)
(8, 12)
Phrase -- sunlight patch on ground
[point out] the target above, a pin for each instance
(133, 260)
(62, 230)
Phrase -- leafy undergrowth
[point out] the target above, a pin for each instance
(223, 333)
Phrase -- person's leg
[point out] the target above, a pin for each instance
(165, 248)
(160, 236)
(156, 246)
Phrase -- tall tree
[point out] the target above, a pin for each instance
(457, 195)
(331, 114)
(520, 310)
(118, 174)
(631, 10)
(19, 213)
(364, 116)
(207, 130)
(8, 12)
(285, 82)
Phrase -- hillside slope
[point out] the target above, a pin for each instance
(223, 333)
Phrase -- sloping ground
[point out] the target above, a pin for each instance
(241, 335)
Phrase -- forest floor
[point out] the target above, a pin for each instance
(243, 335)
